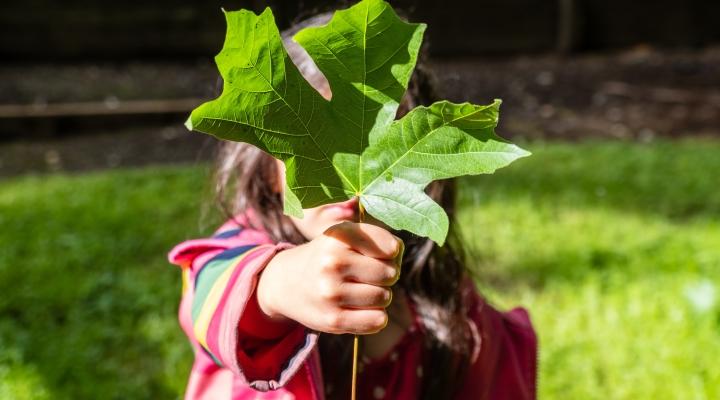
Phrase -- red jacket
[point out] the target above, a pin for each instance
(239, 354)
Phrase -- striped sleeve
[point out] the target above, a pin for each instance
(224, 320)
(212, 286)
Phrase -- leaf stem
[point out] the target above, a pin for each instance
(361, 212)
(356, 338)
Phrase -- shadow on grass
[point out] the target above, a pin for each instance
(89, 302)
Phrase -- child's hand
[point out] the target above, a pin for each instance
(338, 283)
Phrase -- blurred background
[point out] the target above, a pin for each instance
(609, 234)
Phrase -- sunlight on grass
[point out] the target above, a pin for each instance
(614, 248)
(608, 294)
(619, 281)
(21, 382)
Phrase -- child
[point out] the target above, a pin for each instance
(267, 298)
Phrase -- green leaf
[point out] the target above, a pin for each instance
(351, 145)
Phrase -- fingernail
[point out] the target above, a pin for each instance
(398, 257)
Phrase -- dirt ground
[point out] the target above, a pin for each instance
(637, 94)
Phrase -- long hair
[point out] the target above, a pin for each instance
(432, 276)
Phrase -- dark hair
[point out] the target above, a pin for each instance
(432, 276)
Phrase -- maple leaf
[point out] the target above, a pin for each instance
(350, 145)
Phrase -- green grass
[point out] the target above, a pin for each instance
(614, 248)
(88, 301)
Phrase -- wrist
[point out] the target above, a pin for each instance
(266, 290)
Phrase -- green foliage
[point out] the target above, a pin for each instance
(89, 301)
(351, 145)
(612, 246)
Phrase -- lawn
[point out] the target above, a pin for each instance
(613, 247)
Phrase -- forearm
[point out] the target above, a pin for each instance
(228, 323)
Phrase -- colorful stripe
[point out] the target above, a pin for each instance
(185, 278)
(214, 267)
(210, 284)
(227, 234)
(224, 322)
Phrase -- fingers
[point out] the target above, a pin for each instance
(357, 264)
(360, 322)
(372, 271)
(351, 307)
(367, 239)
(362, 296)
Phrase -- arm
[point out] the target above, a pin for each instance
(256, 307)
(222, 317)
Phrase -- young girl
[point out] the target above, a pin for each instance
(268, 301)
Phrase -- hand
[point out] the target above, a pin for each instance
(337, 283)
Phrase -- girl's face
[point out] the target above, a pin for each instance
(316, 220)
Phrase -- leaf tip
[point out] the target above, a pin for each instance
(291, 204)
(440, 235)
(439, 240)
(293, 212)
(189, 123)
(268, 10)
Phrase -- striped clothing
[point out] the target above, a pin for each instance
(241, 354)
